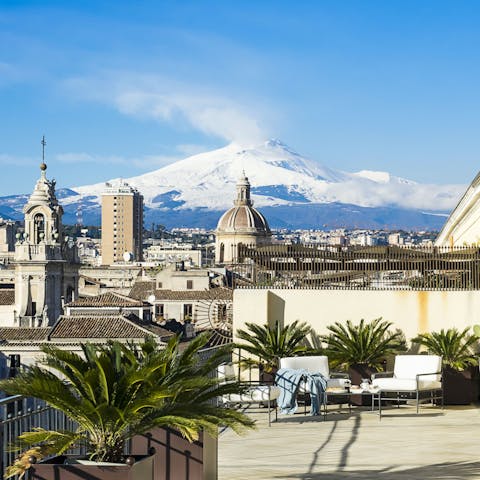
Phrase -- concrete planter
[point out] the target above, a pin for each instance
(67, 468)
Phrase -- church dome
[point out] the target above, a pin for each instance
(243, 218)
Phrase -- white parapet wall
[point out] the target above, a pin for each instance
(411, 311)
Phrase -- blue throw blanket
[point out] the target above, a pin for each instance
(289, 380)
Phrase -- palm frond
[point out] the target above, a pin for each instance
(367, 343)
(117, 391)
(455, 347)
(270, 343)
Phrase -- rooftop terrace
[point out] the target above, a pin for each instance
(437, 444)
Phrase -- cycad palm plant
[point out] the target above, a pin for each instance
(116, 391)
(365, 343)
(270, 343)
(454, 346)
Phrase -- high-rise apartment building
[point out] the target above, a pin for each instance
(122, 223)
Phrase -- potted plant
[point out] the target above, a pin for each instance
(270, 343)
(115, 392)
(460, 375)
(362, 349)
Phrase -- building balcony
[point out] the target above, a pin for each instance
(45, 252)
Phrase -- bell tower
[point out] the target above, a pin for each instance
(46, 261)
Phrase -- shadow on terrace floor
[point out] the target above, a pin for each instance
(441, 471)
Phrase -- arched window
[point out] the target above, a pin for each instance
(39, 227)
(222, 253)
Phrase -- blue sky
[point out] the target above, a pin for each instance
(121, 88)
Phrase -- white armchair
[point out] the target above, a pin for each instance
(413, 375)
(255, 393)
(316, 364)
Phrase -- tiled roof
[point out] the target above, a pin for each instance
(91, 280)
(220, 293)
(109, 299)
(13, 334)
(7, 296)
(142, 290)
(103, 326)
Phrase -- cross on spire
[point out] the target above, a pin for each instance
(43, 142)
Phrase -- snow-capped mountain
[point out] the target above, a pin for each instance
(201, 186)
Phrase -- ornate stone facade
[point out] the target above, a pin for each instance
(46, 263)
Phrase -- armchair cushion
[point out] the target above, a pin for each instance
(405, 384)
(254, 394)
(405, 372)
(409, 366)
(314, 364)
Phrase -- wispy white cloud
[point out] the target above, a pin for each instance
(192, 148)
(145, 161)
(82, 157)
(156, 161)
(153, 96)
(19, 161)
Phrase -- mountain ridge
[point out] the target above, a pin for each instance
(202, 186)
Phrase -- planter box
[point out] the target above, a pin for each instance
(460, 387)
(57, 469)
(177, 459)
(358, 372)
(267, 378)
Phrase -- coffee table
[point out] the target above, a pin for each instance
(331, 395)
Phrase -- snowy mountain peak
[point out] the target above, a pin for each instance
(374, 176)
(279, 176)
(292, 189)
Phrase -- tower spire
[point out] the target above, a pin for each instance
(43, 165)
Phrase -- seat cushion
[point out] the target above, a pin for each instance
(404, 384)
(408, 366)
(312, 364)
(259, 393)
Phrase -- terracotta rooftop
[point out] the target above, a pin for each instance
(220, 293)
(7, 296)
(109, 299)
(142, 290)
(104, 326)
(13, 334)
(92, 280)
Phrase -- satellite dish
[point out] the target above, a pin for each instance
(127, 256)
(151, 298)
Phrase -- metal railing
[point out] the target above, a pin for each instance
(20, 414)
(368, 268)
